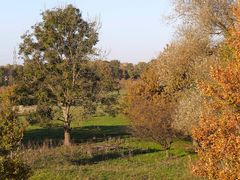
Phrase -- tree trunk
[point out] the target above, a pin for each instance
(67, 128)
(167, 149)
(167, 154)
(67, 136)
(195, 143)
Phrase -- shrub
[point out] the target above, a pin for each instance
(218, 134)
(11, 132)
(149, 109)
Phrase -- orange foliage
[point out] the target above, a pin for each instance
(218, 133)
(149, 109)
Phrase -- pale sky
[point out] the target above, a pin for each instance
(132, 30)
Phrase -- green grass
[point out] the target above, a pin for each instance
(119, 120)
(104, 149)
(96, 128)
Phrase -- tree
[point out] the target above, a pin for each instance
(149, 108)
(199, 40)
(218, 133)
(154, 102)
(212, 16)
(56, 61)
(130, 70)
(108, 87)
(139, 69)
(115, 65)
(11, 132)
(187, 113)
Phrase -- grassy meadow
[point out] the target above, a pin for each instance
(103, 149)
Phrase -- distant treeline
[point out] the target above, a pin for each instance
(127, 70)
(10, 73)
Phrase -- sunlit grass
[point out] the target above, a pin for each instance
(104, 150)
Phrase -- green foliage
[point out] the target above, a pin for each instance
(57, 66)
(55, 63)
(109, 87)
(127, 70)
(116, 71)
(11, 132)
(43, 115)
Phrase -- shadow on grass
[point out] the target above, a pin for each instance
(122, 153)
(78, 135)
(191, 151)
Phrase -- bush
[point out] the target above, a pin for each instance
(11, 132)
(217, 134)
(43, 115)
(149, 109)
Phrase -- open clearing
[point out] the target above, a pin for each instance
(103, 149)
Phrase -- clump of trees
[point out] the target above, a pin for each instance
(167, 101)
(165, 87)
(11, 133)
(127, 70)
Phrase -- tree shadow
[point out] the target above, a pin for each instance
(121, 153)
(78, 135)
(191, 151)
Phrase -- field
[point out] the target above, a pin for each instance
(103, 149)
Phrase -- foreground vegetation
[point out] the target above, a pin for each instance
(103, 150)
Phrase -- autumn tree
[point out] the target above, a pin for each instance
(148, 107)
(212, 16)
(11, 132)
(56, 61)
(192, 56)
(155, 100)
(200, 36)
(218, 133)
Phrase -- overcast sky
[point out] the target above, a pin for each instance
(132, 30)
